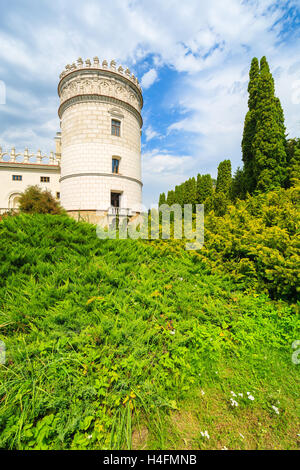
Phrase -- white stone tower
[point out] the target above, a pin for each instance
(100, 112)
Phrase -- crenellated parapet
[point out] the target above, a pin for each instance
(29, 158)
(92, 80)
(104, 66)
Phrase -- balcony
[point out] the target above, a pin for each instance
(120, 211)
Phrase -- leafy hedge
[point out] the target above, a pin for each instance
(258, 241)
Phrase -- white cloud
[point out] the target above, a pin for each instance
(162, 171)
(149, 78)
(150, 133)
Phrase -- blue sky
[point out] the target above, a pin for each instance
(192, 59)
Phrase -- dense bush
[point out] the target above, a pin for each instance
(257, 240)
(35, 200)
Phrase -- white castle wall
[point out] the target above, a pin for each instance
(91, 96)
(31, 167)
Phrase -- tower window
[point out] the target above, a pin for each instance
(115, 127)
(115, 199)
(45, 179)
(115, 165)
(17, 177)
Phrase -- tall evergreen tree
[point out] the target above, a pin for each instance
(238, 185)
(171, 198)
(199, 189)
(224, 177)
(294, 168)
(162, 199)
(269, 142)
(293, 162)
(204, 188)
(250, 127)
(192, 191)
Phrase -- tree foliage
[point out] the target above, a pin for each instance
(264, 139)
(257, 240)
(224, 177)
(35, 200)
(269, 143)
(250, 128)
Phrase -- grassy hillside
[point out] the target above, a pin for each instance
(136, 344)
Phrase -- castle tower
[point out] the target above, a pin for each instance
(100, 112)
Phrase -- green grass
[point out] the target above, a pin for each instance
(136, 344)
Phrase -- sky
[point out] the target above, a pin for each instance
(192, 59)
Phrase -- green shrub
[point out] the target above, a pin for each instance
(257, 240)
(35, 200)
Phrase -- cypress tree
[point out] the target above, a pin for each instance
(192, 191)
(162, 199)
(207, 186)
(250, 127)
(293, 166)
(294, 169)
(238, 185)
(199, 189)
(185, 193)
(224, 177)
(171, 198)
(269, 143)
(179, 197)
(204, 188)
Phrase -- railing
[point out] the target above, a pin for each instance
(26, 157)
(3, 210)
(121, 211)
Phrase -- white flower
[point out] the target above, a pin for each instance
(181, 279)
(90, 436)
(172, 332)
(233, 394)
(240, 395)
(224, 448)
(275, 409)
(202, 392)
(243, 437)
(204, 434)
(233, 402)
(251, 397)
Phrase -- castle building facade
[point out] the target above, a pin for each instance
(96, 169)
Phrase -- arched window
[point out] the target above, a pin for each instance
(115, 127)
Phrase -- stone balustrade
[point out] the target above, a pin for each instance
(26, 157)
